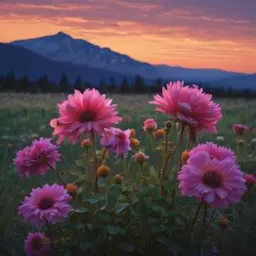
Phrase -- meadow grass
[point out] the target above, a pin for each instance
(24, 117)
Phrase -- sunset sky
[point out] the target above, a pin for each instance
(188, 33)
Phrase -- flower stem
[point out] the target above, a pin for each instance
(196, 215)
(50, 236)
(56, 173)
(95, 161)
(205, 215)
(171, 154)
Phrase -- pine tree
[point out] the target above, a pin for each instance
(124, 87)
(78, 84)
(64, 84)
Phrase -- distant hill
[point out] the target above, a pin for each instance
(25, 62)
(63, 48)
(237, 82)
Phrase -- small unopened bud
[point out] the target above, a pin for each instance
(71, 189)
(184, 157)
(240, 142)
(132, 133)
(103, 171)
(223, 223)
(159, 133)
(150, 125)
(140, 157)
(86, 143)
(134, 142)
(118, 178)
(168, 124)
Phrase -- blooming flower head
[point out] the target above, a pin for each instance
(189, 105)
(46, 204)
(37, 158)
(116, 140)
(37, 244)
(240, 129)
(84, 112)
(216, 182)
(215, 151)
(150, 125)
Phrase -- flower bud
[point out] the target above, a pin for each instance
(86, 143)
(168, 124)
(159, 133)
(103, 171)
(118, 178)
(132, 133)
(140, 157)
(150, 125)
(184, 157)
(71, 189)
(134, 142)
(223, 223)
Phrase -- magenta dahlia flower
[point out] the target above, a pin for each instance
(215, 182)
(46, 204)
(189, 105)
(116, 140)
(35, 160)
(84, 112)
(149, 125)
(215, 151)
(37, 244)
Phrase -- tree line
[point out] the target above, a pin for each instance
(10, 83)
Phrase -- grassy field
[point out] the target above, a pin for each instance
(24, 117)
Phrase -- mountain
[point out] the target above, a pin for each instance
(63, 48)
(25, 62)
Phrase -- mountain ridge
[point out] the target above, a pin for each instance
(63, 47)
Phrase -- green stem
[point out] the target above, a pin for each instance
(50, 236)
(95, 161)
(196, 215)
(56, 173)
(171, 154)
(205, 215)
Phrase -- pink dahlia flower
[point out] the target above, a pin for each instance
(116, 140)
(49, 203)
(218, 183)
(218, 152)
(35, 160)
(189, 105)
(37, 244)
(150, 125)
(84, 112)
(240, 129)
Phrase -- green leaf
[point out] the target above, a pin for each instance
(80, 210)
(152, 220)
(80, 163)
(158, 228)
(157, 208)
(121, 207)
(115, 230)
(93, 199)
(113, 195)
(127, 247)
(105, 216)
(185, 200)
(67, 253)
(86, 245)
(163, 240)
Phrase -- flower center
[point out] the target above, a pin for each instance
(87, 116)
(36, 244)
(212, 179)
(45, 203)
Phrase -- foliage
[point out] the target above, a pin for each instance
(133, 217)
